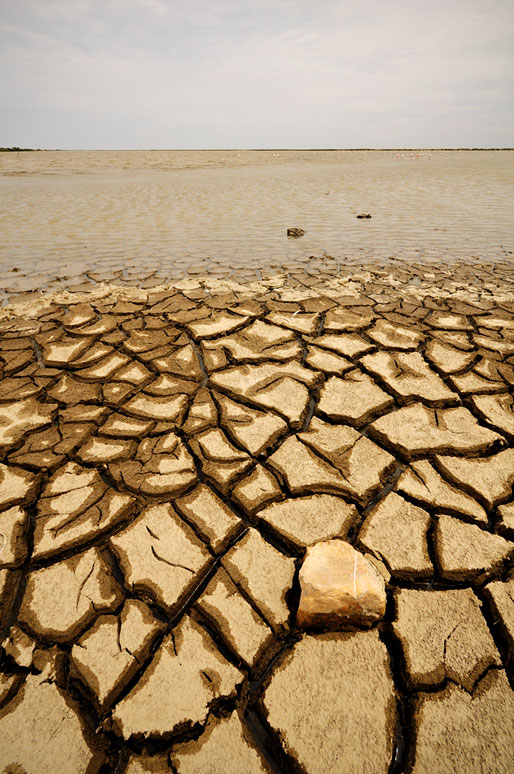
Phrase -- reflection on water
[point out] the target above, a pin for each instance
(231, 208)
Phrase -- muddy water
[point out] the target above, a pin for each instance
(170, 211)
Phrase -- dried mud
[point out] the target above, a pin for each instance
(167, 455)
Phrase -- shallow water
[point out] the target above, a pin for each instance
(64, 211)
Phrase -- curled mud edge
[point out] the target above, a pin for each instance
(472, 282)
(167, 455)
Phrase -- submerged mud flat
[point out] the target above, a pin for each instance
(153, 217)
(167, 457)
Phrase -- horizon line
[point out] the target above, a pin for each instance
(16, 149)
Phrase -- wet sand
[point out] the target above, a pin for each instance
(169, 453)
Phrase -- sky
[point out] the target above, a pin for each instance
(256, 74)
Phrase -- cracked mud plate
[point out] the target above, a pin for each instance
(168, 458)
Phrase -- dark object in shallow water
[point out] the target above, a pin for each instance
(295, 232)
(367, 215)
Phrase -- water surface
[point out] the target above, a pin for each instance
(169, 211)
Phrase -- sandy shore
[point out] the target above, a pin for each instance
(169, 453)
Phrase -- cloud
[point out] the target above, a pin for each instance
(118, 73)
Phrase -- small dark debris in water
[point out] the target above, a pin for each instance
(295, 232)
(364, 215)
(15, 269)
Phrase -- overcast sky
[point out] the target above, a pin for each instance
(256, 73)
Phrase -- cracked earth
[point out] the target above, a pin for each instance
(167, 457)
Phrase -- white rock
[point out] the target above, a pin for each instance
(339, 587)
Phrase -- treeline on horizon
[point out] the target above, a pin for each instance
(16, 149)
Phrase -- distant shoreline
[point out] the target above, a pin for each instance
(228, 150)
